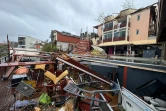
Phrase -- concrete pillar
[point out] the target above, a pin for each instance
(114, 49)
(163, 53)
(128, 50)
(113, 31)
(127, 27)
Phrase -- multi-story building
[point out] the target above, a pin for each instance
(27, 42)
(116, 32)
(63, 40)
(132, 32)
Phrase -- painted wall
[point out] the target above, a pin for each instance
(30, 42)
(99, 31)
(135, 77)
(63, 45)
(66, 38)
(142, 25)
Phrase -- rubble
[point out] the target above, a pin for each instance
(62, 84)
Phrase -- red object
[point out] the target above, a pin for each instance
(125, 76)
(37, 46)
(58, 72)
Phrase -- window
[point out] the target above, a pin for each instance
(105, 36)
(109, 35)
(110, 24)
(138, 17)
(137, 32)
(105, 26)
(116, 34)
(123, 33)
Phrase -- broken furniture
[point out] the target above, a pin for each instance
(54, 78)
(16, 79)
(97, 101)
(69, 61)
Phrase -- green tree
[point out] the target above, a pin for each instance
(49, 48)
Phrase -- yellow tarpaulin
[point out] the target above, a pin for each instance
(40, 66)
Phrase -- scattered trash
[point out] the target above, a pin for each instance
(44, 99)
(19, 104)
(25, 89)
(37, 109)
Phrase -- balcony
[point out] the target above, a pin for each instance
(121, 25)
(107, 40)
(115, 26)
(152, 30)
(107, 29)
(119, 38)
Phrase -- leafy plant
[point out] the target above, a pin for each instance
(49, 48)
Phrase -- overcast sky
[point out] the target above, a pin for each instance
(37, 18)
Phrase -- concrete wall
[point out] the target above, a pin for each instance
(99, 31)
(142, 25)
(63, 45)
(29, 42)
(105, 70)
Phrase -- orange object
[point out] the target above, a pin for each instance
(37, 109)
(22, 70)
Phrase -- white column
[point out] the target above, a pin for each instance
(114, 49)
(113, 31)
(127, 27)
(128, 49)
(102, 32)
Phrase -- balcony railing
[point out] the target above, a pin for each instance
(107, 40)
(115, 26)
(119, 38)
(121, 25)
(107, 29)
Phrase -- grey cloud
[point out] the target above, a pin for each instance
(38, 17)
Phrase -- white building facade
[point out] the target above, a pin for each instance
(27, 42)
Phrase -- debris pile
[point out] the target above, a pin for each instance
(56, 84)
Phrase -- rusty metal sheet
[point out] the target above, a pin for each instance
(28, 55)
(66, 59)
(11, 69)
